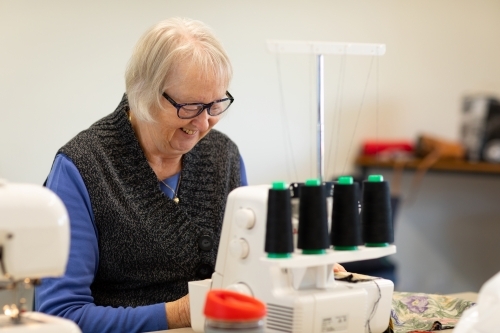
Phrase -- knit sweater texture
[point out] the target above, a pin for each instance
(148, 244)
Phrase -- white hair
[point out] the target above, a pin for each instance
(160, 50)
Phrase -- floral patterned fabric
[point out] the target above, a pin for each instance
(417, 312)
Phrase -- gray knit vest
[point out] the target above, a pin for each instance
(148, 245)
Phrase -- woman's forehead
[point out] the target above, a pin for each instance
(196, 76)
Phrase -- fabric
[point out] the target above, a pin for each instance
(353, 277)
(418, 312)
(70, 296)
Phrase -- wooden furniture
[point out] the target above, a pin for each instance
(451, 165)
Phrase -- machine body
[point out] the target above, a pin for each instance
(34, 243)
(300, 292)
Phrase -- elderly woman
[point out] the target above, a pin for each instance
(146, 187)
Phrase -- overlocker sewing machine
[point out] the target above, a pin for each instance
(300, 291)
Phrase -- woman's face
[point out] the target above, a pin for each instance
(173, 136)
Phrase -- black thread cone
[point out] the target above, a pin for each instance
(313, 222)
(279, 234)
(376, 214)
(345, 230)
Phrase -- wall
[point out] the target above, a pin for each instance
(62, 65)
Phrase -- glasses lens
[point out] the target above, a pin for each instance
(190, 111)
(219, 107)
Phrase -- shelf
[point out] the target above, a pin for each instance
(451, 165)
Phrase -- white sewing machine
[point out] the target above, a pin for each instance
(301, 293)
(34, 243)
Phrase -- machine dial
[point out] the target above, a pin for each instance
(245, 218)
(239, 248)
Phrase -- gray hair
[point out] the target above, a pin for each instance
(151, 68)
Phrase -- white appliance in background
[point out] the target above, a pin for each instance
(480, 132)
(301, 293)
(34, 243)
(483, 316)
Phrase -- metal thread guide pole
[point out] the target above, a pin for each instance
(321, 118)
(320, 49)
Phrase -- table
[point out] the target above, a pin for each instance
(470, 296)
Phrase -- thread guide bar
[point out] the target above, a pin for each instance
(318, 47)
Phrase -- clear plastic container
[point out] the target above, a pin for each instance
(229, 311)
(218, 326)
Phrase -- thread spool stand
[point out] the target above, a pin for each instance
(301, 285)
(313, 232)
(320, 49)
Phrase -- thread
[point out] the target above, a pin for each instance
(345, 231)
(279, 233)
(313, 223)
(295, 189)
(376, 213)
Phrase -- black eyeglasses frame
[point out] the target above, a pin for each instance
(207, 106)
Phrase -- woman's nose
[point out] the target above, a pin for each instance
(202, 121)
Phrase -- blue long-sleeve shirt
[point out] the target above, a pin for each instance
(70, 296)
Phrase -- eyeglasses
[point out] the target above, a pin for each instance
(192, 110)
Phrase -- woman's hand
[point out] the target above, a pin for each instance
(178, 313)
(338, 268)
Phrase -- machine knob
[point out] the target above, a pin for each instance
(245, 218)
(240, 288)
(239, 248)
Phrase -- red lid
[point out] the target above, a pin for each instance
(373, 147)
(230, 305)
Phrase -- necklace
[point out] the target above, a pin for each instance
(176, 198)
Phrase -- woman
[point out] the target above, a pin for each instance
(145, 188)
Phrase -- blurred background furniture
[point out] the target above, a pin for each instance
(447, 227)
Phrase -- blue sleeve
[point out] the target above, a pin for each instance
(244, 181)
(70, 296)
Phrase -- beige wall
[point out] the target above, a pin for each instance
(62, 64)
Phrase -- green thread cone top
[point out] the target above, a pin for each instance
(279, 185)
(313, 251)
(313, 182)
(376, 178)
(279, 255)
(345, 180)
